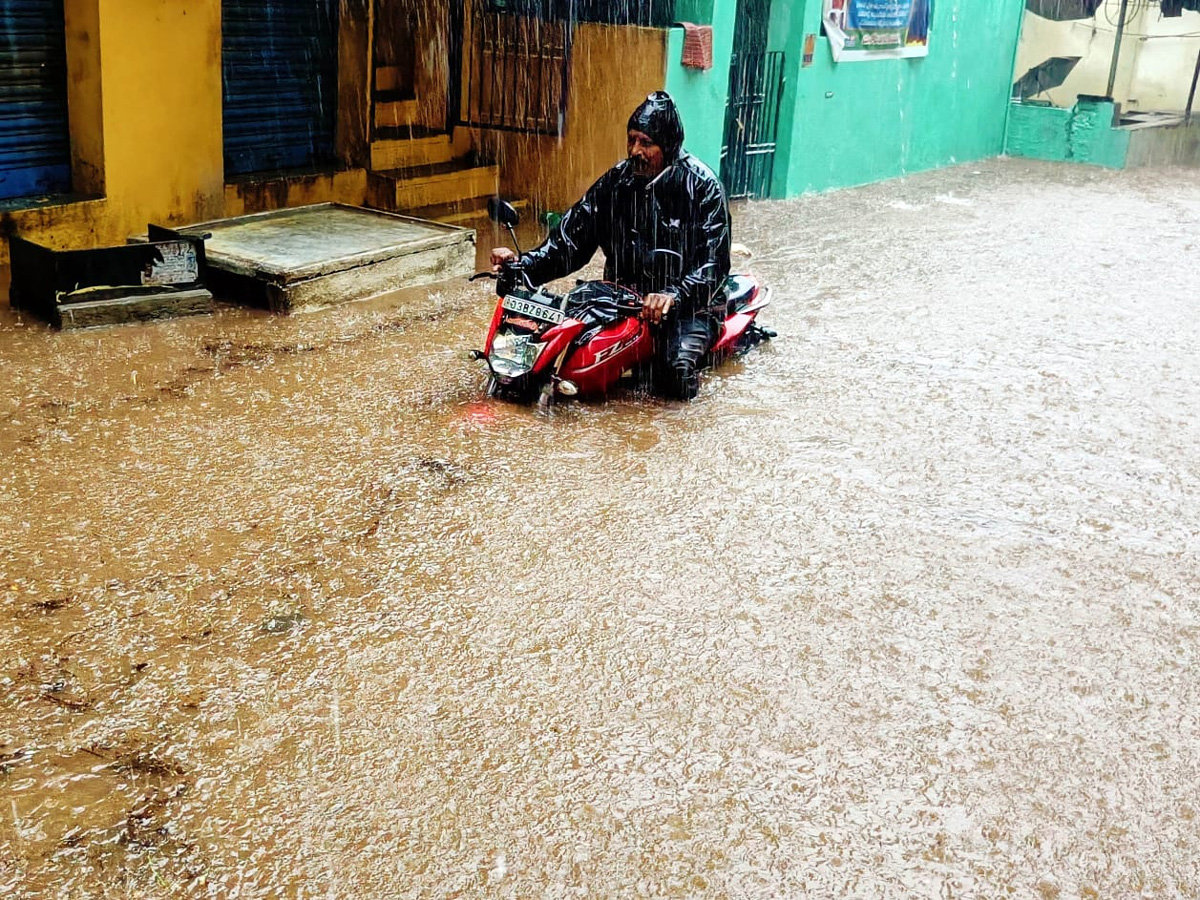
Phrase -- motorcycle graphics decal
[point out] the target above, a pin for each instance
(609, 352)
(533, 310)
(522, 322)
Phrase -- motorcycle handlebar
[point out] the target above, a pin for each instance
(630, 309)
(512, 265)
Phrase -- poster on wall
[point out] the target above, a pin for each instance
(877, 29)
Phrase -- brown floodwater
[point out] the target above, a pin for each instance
(904, 605)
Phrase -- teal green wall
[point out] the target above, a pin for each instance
(779, 34)
(852, 123)
(1094, 139)
(698, 11)
(700, 95)
(1083, 134)
(1038, 132)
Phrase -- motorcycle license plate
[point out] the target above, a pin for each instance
(533, 309)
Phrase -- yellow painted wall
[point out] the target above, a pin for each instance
(145, 98)
(432, 49)
(612, 70)
(84, 96)
(145, 115)
(352, 137)
(162, 111)
(251, 196)
(144, 90)
(414, 40)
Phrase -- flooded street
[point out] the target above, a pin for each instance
(904, 605)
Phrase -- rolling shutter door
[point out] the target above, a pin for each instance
(279, 77)
(35, 147)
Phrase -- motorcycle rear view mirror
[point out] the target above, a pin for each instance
(504, 213)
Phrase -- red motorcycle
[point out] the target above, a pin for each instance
(582, 343)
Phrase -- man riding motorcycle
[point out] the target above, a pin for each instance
(662, 220)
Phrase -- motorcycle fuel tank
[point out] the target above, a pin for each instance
(596, 366)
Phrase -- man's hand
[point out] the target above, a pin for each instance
(656, 306)
(500, 256)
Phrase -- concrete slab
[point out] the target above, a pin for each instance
(313, 256)
(116, 311)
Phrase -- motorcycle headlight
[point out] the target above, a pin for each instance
(514, 354)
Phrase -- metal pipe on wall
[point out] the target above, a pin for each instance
(1187, 116)
(1112, 72)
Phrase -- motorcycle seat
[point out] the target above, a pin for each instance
(739, 288)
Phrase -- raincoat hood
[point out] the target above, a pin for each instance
(658, 118)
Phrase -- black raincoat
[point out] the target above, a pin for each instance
(682, 210)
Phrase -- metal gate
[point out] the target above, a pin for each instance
(751, 124)
(279, 83)
(35, 146)
(515, 68)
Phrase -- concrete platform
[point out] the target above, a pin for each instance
(314, 256)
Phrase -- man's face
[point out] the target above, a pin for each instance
(647, 156)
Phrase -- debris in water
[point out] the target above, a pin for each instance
(281, 623)
(54, 603)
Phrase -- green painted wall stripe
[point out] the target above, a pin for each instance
(1038, 132)
(701, 95)
(853, 123)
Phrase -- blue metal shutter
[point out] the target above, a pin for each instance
(279, 73)
(35, 146)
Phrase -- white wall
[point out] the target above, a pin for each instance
(1166, 62)
(1158, 56)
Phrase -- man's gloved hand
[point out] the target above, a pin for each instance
(655, 307)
